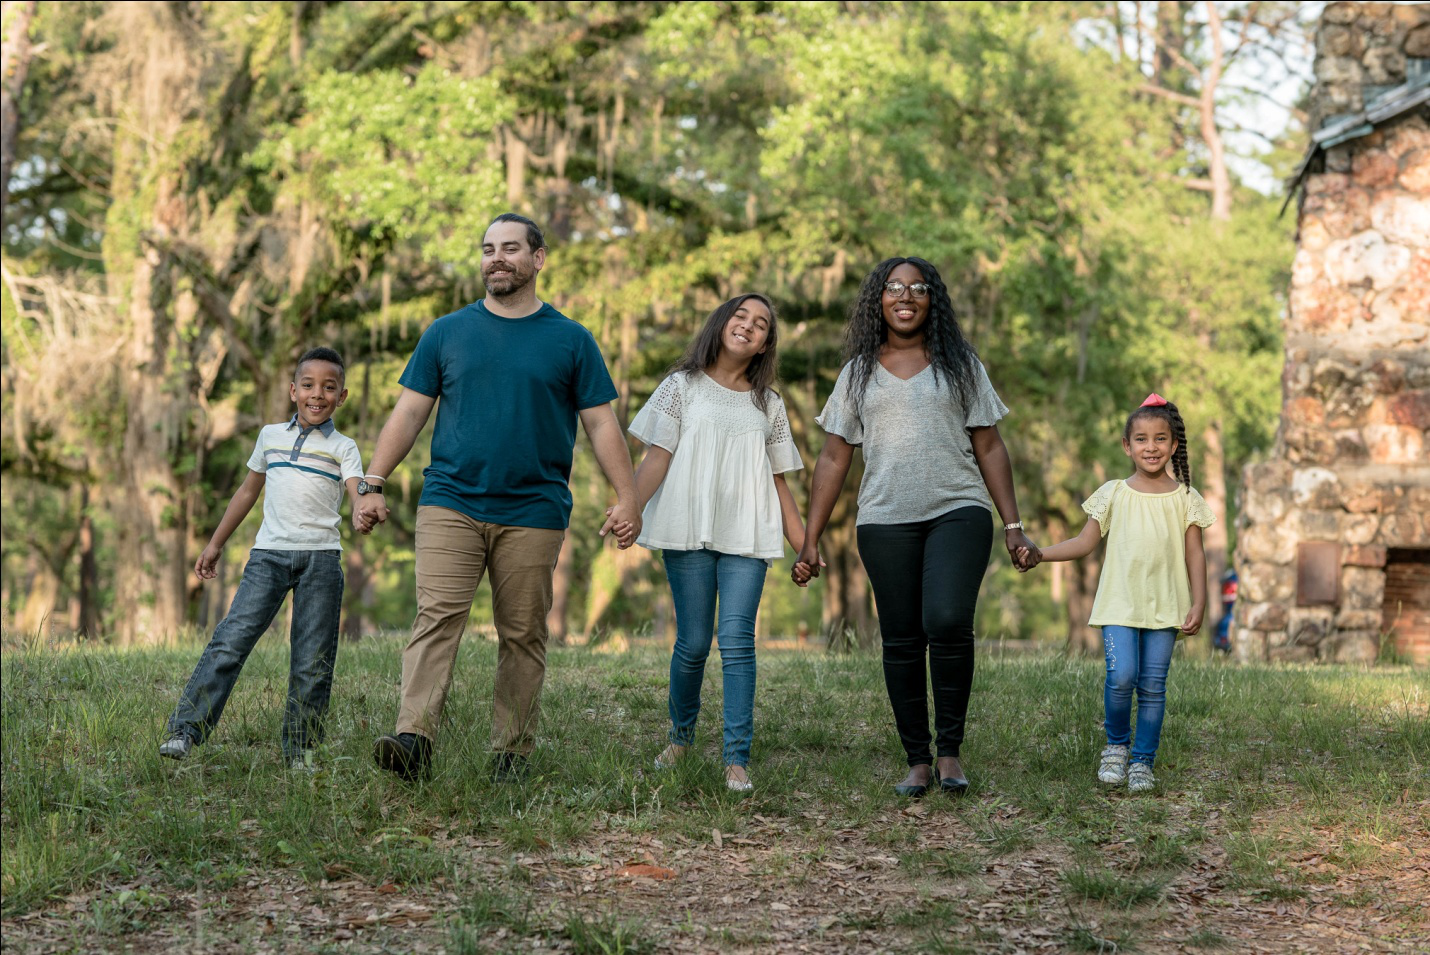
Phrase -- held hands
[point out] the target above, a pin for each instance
(1025, 554)
(206, 567)
(623, 520)
(371, 511)
(807, 564)
(363, 523)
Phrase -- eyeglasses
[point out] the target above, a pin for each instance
(919, 289)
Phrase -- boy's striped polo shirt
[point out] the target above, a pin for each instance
(304, 471)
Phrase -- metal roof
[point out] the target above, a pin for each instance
(1387, 105)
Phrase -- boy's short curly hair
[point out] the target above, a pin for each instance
(321, 353)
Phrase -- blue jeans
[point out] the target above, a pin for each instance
(1136, 658)
(696, 577)
(316, 579)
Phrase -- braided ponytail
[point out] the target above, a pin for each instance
(1181, 464)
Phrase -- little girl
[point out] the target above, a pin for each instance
(715, 501)
(1154, 582)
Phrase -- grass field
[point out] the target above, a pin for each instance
(1292, 816)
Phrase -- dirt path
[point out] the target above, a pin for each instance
(775, 888)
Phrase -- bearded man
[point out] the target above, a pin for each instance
(509, 376)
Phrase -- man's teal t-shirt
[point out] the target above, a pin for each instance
(508, 392)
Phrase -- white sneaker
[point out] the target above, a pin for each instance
(1112, 771)
(177, 746)
(1140, 778)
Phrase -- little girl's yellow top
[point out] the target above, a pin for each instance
(1144, 572)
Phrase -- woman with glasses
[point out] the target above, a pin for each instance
(916, 398)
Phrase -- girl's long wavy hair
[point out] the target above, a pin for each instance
(952, 356)
(705, 349)
(1181, 465)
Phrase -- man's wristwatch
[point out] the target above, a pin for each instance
(366, 488)
(1015, 526)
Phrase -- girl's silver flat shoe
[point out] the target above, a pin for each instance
(669, 757)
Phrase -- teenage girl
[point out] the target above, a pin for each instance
(1153, 586)
(715, 502)
(917, 399)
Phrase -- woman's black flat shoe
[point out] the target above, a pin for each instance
(953, 784)
(916, 790)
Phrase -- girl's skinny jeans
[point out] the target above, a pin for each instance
(697, 578)
(1136, 658)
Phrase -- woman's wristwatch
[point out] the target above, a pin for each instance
(1015, 526)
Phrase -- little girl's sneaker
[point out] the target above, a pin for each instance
(1140, 779)
(1112, 771)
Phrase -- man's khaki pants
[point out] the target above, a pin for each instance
(452, 552)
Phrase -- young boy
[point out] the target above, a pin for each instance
(304, 463)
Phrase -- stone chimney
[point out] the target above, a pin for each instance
(1363, 50)
(1333, 537)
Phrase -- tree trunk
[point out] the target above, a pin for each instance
(833, 548)
(1171, 41)
(627, 354)
(1082, 588)
(561, 581)
(612, 572)
(355, 591)
(856, 599)
(41, 598)
(1211, 133)
(150, 212)
(515, 168)
(846, 588)
(663, 617)
(1212, 484)
(14, 66)
(151, 582)
(88, 593)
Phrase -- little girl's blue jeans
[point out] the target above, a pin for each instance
(697, 577)
(1136, 658)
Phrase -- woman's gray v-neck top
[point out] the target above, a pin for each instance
(918, 457)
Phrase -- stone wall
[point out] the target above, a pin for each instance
(1351, 462)
(1361, 49)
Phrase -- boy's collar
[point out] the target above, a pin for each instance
(327, 427)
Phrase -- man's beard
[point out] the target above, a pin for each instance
(507, 284)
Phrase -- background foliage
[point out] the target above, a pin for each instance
(203, 190)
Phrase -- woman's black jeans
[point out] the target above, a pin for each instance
(926, 577)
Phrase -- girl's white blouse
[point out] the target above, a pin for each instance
(719, 493)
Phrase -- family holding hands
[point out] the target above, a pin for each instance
(514, 375)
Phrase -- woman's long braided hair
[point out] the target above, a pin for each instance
(1181, 467)
(953, 358)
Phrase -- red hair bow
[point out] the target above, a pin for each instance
(1154, 400)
